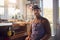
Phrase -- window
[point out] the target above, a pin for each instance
(1, 8)
(12, 5)
(12, 1)
(1, 2)
(11, 12)
(11, 8)
(14, 11)
(48, 12)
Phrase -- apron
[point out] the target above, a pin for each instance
(38, 31)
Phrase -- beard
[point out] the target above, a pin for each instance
(37, 16)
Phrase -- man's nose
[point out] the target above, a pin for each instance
(36, 11)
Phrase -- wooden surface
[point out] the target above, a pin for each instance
(21, 34)
(23, 27)
(20, 24)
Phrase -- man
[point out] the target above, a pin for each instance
(40, 27)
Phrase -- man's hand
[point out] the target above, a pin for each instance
(27, 38)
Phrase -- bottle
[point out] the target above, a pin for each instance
(9, 33)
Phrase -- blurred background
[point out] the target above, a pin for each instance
(20, 11)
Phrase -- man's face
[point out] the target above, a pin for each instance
(36, 12)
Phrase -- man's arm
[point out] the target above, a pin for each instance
(48, 30)
(30, 30)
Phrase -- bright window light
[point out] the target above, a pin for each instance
(1, 10)
(11, 11)
(47, 3)
(1, 2)
(12, 1)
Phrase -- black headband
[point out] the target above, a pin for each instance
(35, 7)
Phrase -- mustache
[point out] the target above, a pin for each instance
(37, 16)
